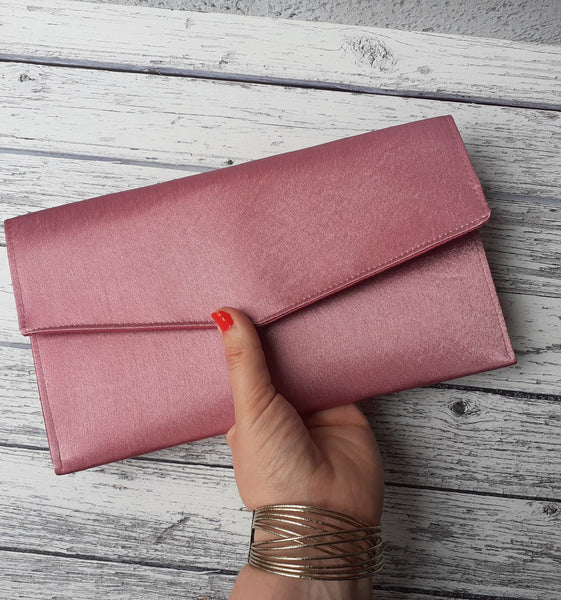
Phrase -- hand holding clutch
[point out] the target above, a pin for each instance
(295, 472)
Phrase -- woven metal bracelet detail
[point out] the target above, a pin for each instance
(314, 543)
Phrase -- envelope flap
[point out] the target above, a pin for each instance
(268, 236)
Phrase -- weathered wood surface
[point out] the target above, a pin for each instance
(91, 579)
(184, 121)
(522, 239)
(28, 576)
(32, 181)
(143, 512)
(473, 474)
(533, 323)
(281, 51)
(445, 438)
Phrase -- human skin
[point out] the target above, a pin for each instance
(328, 458)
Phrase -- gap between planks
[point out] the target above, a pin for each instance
(121, 504)
(177, 41)
(217, 124)
(439, 438)
(165, 171)
(387, 484)
(121, 580)
(276, 81)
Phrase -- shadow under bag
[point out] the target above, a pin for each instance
(359, 261)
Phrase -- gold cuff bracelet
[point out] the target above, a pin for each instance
(314, 543)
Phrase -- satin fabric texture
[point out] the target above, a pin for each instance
(359, 261)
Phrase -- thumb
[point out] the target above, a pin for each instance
(251, 382)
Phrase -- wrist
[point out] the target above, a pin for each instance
(269, 585)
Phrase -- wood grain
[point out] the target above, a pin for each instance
(523, 245)
(37, 577)
(206, 123)
(522, 239)
(165, 514)
(70, 578)
(446, 438)
(282, 52)
(532, 321)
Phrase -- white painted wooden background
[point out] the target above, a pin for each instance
(101, 98)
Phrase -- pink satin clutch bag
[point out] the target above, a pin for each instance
(359, 260)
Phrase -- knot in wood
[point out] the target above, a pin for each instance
(459, 408)
(370, 51)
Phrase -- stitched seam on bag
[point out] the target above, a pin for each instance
(493, 296)
(204, 324)
(373, 270)
(48, 405)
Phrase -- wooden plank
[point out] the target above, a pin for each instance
(522, 242)
(281, 51)
(457, 439)
(532, 321)
(174, 515)
(31, 182)
(211, 124)
(468, 440)
(36, 577)
(533, 325)
(523, 238)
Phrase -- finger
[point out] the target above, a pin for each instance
(345, 414)
(247, 368)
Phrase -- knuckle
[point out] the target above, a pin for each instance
(262, 414)
(258, 396)
(237, 355)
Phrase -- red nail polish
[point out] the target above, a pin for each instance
(223, 319)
